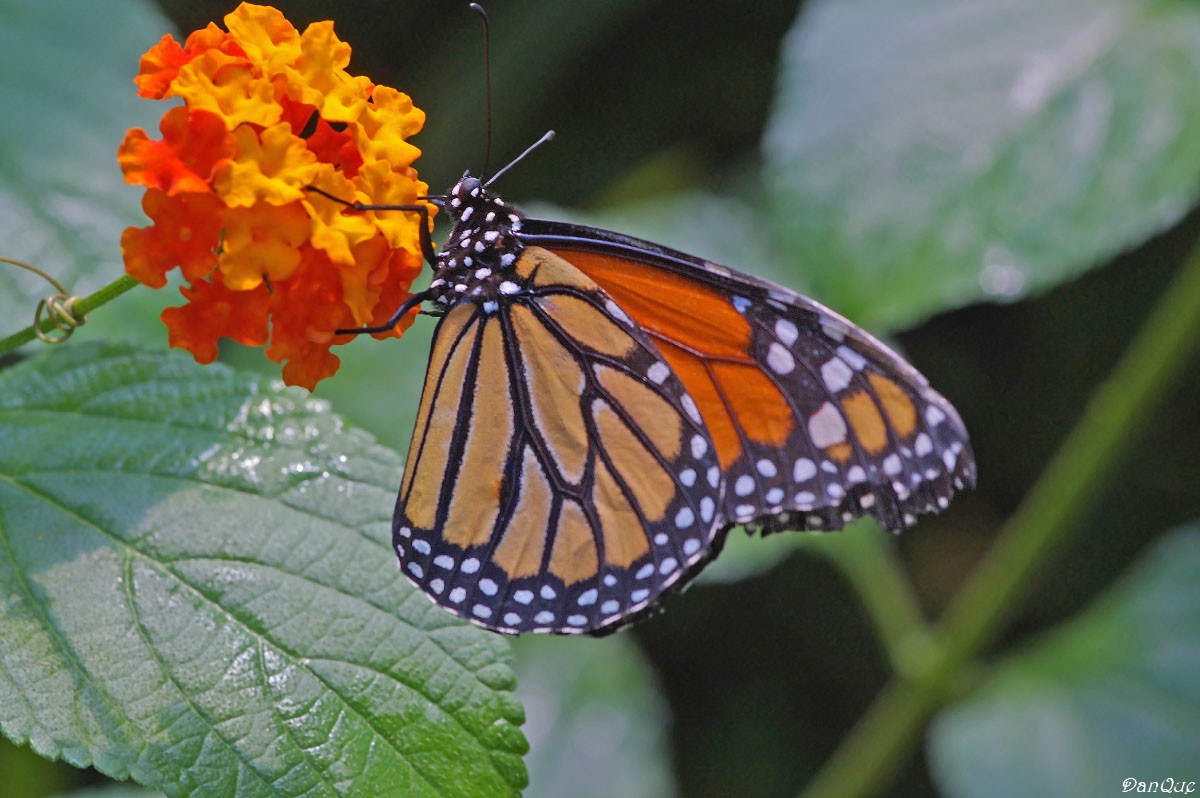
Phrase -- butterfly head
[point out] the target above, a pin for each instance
(476, 263)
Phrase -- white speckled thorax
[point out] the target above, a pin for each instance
(477, 262)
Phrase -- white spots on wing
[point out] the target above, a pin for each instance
(544, 617)
(482, 611)
(741, 303)
(688, 477)
(774, 496)
(444, 561)
(416, 570)
(668, 565)
(658, 372)
(923, 445)
(934, 415)
(470, 565)
(512, 619)
(856, 475)
(523, 596)
(609, 607)
(833, 329)
(699, 446)
(744, 485)
(786, 331)
(588, 597)
(615, 311)
(804, 470)
(836, 375)
(685, 517)
(766, 468)
(548, 593)
(691, 546)
(509, 287)
(826, 427)
(437, 586)
(707, 508)
(644, 571)
(892, 465)
(488, 587)
(422, 546)
(853, 359)
(714, 476)
(689, 406)
(458, 594)
(779, 359)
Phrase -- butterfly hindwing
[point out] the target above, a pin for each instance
(560, 477)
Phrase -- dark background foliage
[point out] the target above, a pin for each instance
(763, 676)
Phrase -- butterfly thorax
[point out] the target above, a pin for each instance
(477, 262)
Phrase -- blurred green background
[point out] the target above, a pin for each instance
(746, 685)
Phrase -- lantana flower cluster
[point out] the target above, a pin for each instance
(267, 113)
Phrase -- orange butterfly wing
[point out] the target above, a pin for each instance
(815, 421)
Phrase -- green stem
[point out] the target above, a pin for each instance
(81, 309)
(1051, 511)
(868, 561)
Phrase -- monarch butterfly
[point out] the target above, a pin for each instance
(599, 411)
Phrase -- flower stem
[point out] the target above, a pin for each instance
(1050, 512)
(81, 309)
(868, 561)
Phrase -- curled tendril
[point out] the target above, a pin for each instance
(60, 307)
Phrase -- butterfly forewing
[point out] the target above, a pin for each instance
(815, 422)
(560, 477)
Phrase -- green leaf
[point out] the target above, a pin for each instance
(925, 155)
(66, 74)
(597, 721)
(200, 595)
(1114, 694)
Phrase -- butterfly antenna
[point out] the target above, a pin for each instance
(487, 80)
(546, 137)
